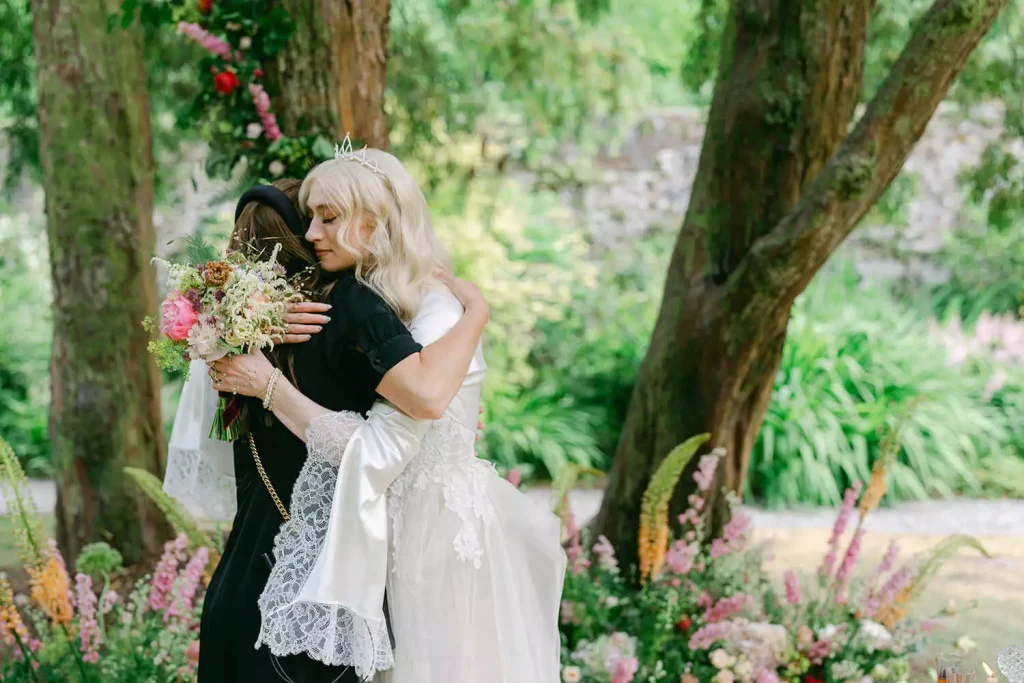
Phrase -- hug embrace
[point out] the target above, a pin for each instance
(368, 542)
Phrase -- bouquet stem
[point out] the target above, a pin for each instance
(228, 424)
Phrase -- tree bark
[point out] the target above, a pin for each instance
(780, 184)
(330, 78)
(97, 171)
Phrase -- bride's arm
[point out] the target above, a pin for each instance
(422, 385)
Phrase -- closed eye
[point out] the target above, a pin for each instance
(328, 221)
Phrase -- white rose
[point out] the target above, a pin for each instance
(276, 168)
(880, 671)
(745, 670)
(719, 659)
(965, 644)
(572, 674)
(828, 632)
(253, 131)
(245, 42)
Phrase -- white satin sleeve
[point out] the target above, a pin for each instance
(325, 594)
(200, 472)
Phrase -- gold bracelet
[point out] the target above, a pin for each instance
(268, 395)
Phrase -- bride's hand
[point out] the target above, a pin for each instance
(246, 374)
(305, 318)
(465, 291)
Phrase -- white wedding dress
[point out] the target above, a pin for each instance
(473, 569)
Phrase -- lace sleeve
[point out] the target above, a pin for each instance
(326, 591)
(200, 471)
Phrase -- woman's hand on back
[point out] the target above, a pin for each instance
(466, 292)
(305, 318)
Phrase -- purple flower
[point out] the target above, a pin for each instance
(605, 553)
(705, 474)
(850, 561)
(708, 635)
(792, 587)
(88, 629)
(166, 572)
(193, 298)
(680, 557)
(842, 520)
(726, 608)
(219, 295)
(181, 608)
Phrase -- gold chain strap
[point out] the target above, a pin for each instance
(266, 479)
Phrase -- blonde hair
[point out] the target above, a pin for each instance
(398, 259)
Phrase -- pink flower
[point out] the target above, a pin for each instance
(109, 600)
(182, 605)
(88, 629)
(578, 561)
(842, 520)
(705, 474)
(889, 560)
(625, 669)
(680, 556)
(90, 657)
(850, 561)
(568, 615)
(178, 317)
(819, 650)
(605, 553)
(726, 608)
(792, 587)
(708, 635)
(192, 653)
(210, 42)
(514, 477)
(261, 101)
(767, 676)
(166, 572)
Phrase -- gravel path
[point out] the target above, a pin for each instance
(977, 517)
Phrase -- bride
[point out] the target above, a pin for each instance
(473, 571)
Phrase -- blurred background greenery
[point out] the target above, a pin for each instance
(597, 110)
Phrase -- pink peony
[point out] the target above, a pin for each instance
(178, 317)
(625, 669)
(766, 676)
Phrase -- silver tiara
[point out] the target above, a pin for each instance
(344, 151)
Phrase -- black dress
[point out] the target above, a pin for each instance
(340, 369)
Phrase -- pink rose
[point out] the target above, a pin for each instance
(178, 317)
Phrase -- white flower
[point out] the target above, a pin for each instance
(276, 168)
(874, 636)
(845, 670)
(745, 671)
(245, 42)
(828, 632)
(725, 676)
(867, 679)
(253, 131)
(572, 674)
(204, 340)
(880, 671)
(965, 644)
(719, 659)
(611, 601)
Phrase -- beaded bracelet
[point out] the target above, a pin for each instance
(268, 396)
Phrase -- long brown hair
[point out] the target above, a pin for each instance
(257, 231)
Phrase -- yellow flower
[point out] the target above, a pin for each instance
(10, 621)
(876, 489)
(50, 587)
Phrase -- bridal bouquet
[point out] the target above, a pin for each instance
(219, 307)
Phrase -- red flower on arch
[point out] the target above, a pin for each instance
(225, 82)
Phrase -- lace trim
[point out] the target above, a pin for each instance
(328, 633)
(447, 459)
(206, 489)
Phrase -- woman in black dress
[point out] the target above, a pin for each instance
(341, 369)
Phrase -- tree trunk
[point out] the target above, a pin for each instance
(779, 186)
(330, 78)
(97, 170)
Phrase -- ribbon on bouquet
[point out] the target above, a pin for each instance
(228, 424)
